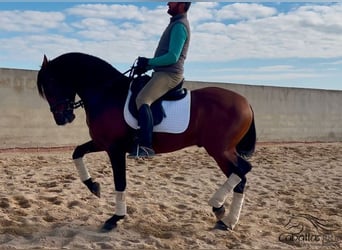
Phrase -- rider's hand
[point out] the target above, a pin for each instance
(142, 65)
(142, 62)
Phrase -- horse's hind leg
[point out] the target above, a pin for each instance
(220, 196)
(230, 221)
(236, 168)
(77, 156)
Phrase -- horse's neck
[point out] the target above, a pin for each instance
(96, 82)
(98, 98)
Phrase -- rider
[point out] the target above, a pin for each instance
(168, 66)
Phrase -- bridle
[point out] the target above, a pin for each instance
(70, 105)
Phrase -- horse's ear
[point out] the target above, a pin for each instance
(45, 62)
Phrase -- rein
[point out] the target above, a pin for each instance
(132, 70)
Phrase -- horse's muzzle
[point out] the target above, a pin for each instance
(63, 112)
(63, 118)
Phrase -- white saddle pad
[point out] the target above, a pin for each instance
(176, 120)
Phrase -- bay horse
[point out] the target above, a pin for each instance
(221, 121)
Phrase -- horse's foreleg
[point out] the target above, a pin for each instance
(77, 156)
(118, 161)
(120, 212)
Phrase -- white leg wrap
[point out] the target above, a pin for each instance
(120, 204)
(81, 168)
(221, 194)
(234, 212)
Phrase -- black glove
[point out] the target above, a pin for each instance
(142, 62)
(142, 65)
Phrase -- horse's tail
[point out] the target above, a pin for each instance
(246, 146)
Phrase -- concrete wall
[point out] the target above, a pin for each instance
(282, 114)
(25, 118)
(292, 114)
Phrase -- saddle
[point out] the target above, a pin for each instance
(157, 108)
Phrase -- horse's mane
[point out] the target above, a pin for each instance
(83, 69)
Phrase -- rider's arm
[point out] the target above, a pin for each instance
(177, 40)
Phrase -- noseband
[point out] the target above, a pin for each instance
(70, 105)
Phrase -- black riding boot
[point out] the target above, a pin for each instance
(145, 121)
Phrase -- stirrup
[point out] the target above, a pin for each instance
(141, 152)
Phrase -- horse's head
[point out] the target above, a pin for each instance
(60, 95)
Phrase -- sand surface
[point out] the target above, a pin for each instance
(293, 193)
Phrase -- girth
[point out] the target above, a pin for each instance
(157, 109)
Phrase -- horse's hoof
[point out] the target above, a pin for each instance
(221, 226)
(107, 227)
(96, 189)
(219, 212)
(111, 223)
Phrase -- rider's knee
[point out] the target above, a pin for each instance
(139, 101)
